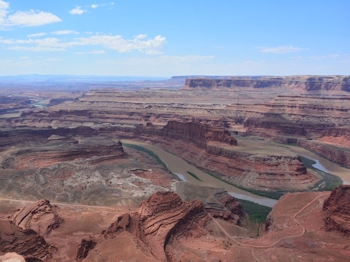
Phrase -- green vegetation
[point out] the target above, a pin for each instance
(257, 213)
(270, 194)
(328, 181)
(193, 175)
(149, 152)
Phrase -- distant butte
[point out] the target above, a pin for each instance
(308, 83)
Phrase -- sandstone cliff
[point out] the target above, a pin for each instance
(307, 83)
(161, 217)
(197, 133)
(337, 207)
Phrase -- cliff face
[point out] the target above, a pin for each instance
(337, 136)
(337, 83)
(162, 216)
(227, 208)
(64, 149)
(197, 133)
(337, 207)
(24, 242)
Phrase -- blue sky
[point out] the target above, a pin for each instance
(183, 37)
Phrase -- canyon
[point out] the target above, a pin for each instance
(165, 228)
(84, 171)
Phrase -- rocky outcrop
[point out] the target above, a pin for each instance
(308, 83)
(197, 133)
(64, 149)
(42, 217)
(25, 135)
(84, 248)
(161, 217)
(337, 207)
(192, 132)
(226, 207)
(24, 242)
(337, 136)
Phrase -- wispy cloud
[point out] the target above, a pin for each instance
(113, 42)
(322, 57)
(65, 32)
(77, 11)
(24, 18)
(94, 52)
(280, 49)
(94, 6)
(36, 35)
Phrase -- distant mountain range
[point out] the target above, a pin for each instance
(77, 78)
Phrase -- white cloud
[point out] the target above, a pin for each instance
(280, 49)
(3, 11)
(94, 6)
(113, 42)
(32, 18)
(141, 36)
(77, 11)
(25, 18)
(36, 35)
(65, 32)
(94, 52)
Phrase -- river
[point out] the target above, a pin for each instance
(324, 164)
(180, 168)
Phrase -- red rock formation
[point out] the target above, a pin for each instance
(84, 248)
(337, 136)
(232, 210)
(96, 149)
(197, 133)
(337, 207)
(42, 217)
(162, 216)
(24, 242)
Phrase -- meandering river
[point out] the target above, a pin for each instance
(181, 168)
(324, 164)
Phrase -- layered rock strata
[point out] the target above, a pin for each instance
(337, 207)
(42, 217)
(308, 83)
(161, 217)
(226, 207)
(237, 165)
(24, 242)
